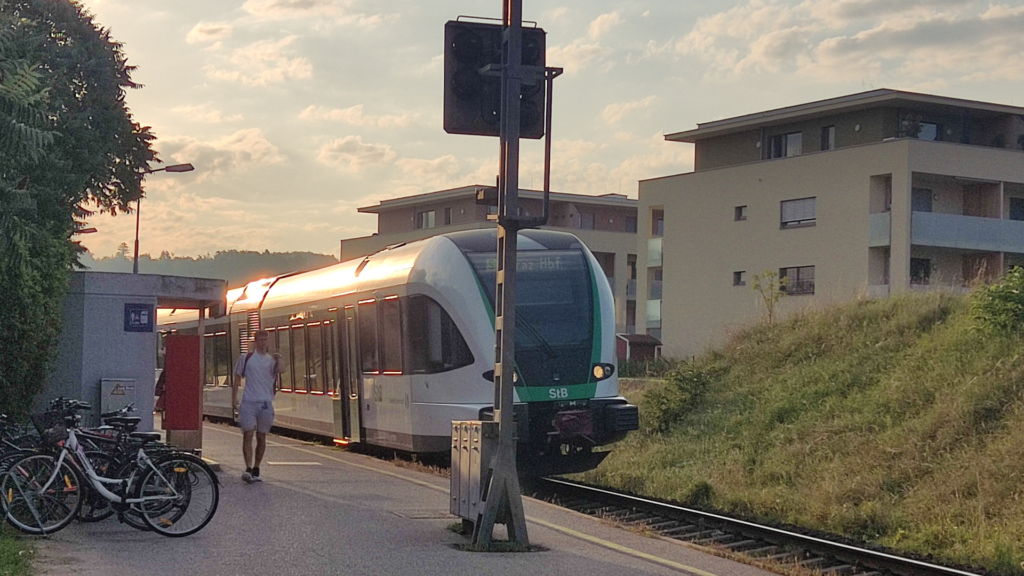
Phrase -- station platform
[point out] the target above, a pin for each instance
(322, 510)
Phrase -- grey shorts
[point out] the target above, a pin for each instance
(257, 416)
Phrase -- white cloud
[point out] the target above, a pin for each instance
(203, 113)
(354, 115)
(214, 157)
(262, 63)
(208, 32)
(909, 42)
(614, 112)
(576, 55)
(602, 24)
(336, 10)
(351, 153)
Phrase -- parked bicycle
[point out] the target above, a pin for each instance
(173, 493)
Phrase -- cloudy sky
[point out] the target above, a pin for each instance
(296, 112)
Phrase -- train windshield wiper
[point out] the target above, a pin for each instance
(530, 330)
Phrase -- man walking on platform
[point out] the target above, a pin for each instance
(256, 411)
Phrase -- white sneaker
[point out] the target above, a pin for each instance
(256, 476)
(247, 477)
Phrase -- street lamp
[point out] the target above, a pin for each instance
(172, 168)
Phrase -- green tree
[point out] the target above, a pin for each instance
(771, 288)
(68, 147)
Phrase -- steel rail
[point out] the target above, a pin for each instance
(874, 559)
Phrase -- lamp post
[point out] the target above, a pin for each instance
(138, 206)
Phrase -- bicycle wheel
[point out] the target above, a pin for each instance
(34, 507)
(95, 506)
(182, 495)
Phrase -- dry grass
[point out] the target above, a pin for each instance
(889, 421)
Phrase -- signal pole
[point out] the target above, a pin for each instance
(501, 494)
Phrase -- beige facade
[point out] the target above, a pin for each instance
(606, 224)
(882, 191)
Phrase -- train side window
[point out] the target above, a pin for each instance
(434, 343)
(391, 335)
(284, 339)
(222, 353)
(209, 360)
(367, 318)
(330, 378)
(316, 359)
(299, 375)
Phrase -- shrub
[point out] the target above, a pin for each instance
(681, 393)
(1000, 307)
(644, 368)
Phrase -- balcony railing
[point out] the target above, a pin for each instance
(655, 290)
(879, 225)
(631, 289)
(799, 287)
(654, 314)
(654, 252)
(967, 232)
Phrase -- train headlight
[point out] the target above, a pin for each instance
(603, 371)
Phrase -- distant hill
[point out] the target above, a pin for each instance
(237, 267)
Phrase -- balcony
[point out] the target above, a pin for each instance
(655, 290)
(966, 232)
(654, 252)
(879, 226)
(653, 314)
(631, 289)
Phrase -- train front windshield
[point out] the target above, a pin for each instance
(554, 314)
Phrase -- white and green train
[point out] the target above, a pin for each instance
(390, 348)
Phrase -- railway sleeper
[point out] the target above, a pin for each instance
(763, 551)
(680, 529)
(635, 518)
(664, 524)
(618, 513)
(691, 536)
(592, 508)
(783, 556)
(841, 570)
(868, 574)
(739, 545)
(812, 562)
(714, 539)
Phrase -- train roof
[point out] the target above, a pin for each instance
(388, 267)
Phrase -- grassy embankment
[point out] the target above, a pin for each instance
(892, 421)
(15, 554)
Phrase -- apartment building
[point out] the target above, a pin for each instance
(606, 224)
(863, 195)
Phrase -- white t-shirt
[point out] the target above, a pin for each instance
(259, 377)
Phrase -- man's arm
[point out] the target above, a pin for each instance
(240, 365)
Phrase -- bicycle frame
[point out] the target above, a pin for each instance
(72, 449)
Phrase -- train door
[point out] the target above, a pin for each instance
(351, 382)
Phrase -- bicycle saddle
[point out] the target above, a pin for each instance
(146, 437)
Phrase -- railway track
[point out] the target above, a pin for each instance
(815, 554)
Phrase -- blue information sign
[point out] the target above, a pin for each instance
(138, 317)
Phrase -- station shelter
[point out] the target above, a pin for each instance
(107, 354)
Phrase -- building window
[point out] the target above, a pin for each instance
(739, 213)
(654, 290)
(631, 224)
(828, 138)
(425, 220)
(657, 223)
(930, 131)
(447, 216)
(799, 212)
(920, 270)
(1016, 208)
(586, 221)
(799, 280)
(785, 145)
(739, 278)
(921, 200)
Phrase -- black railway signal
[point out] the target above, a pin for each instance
(472, 100)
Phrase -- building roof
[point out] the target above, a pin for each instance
(642, 339)
(470, 191)
(849, 103)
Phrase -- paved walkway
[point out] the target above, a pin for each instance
(327, 511)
